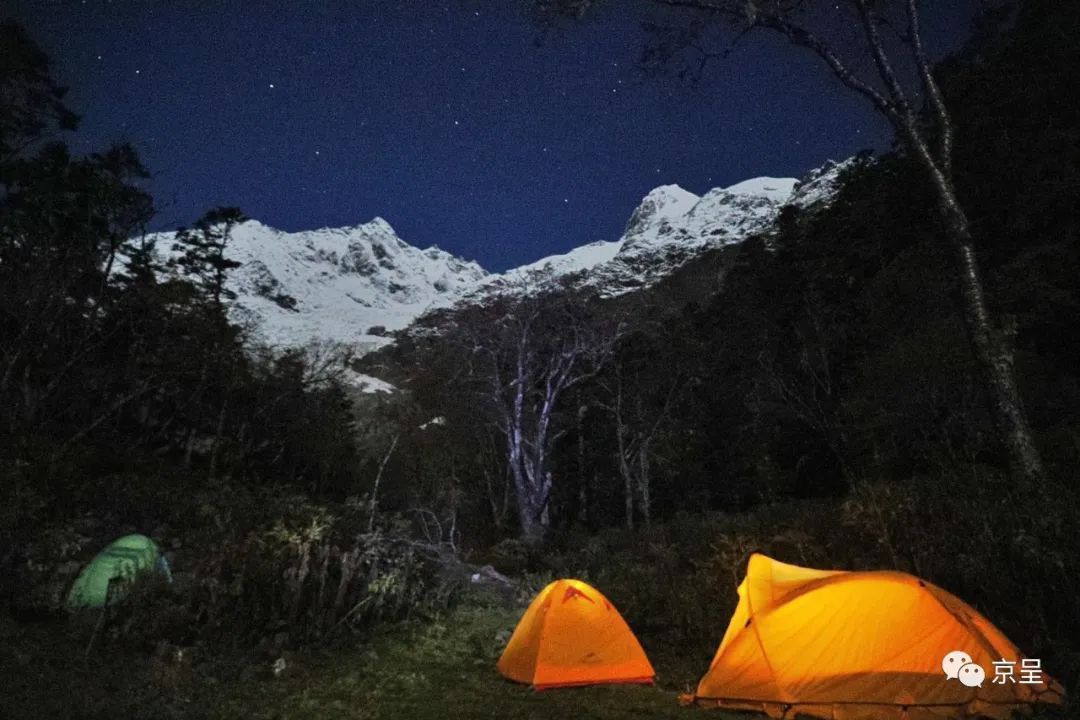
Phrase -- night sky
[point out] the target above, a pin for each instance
(449, 120)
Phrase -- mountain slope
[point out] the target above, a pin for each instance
(672, 226)
(347, 285)
(355, 285)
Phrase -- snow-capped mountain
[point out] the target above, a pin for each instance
(349, 285)
(668, 228)
(354, 285)
(672, 226)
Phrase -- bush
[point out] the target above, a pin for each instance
(676, 582)
(304, 572)
(250, 566)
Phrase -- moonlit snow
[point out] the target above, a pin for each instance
(354, 286)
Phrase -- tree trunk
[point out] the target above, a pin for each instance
(189, 447)
(990, 348)
(583, 494)
(583, 502)
(532, 507)
(627, 475)
(215, 449)
(533, 529)
(996, 362)
(374, 505)
(992, 353)
(623, 453)
(643, 482)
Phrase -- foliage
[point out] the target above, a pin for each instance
(812, 398)
(829, 375)
(675, 582)
(128, 397)
(254, 568)
(440, 669)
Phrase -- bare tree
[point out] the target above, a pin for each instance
(889, 33)
(527, 350)
(639, 413)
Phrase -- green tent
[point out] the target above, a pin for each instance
(118, 564)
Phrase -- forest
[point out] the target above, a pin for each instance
(814, 394)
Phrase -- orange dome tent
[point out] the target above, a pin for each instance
(860, 645)
(571, 635)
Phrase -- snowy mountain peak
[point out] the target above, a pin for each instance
(377, 224)
(671, 226)
(346, 285)
(355, 285)
(821, 184)
(661, 204)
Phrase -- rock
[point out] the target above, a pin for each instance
(285, 664)
(490, 574)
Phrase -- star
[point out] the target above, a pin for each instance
(138, 72)
(271, 86)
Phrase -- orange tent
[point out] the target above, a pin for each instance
(862, 645)
(571, 635)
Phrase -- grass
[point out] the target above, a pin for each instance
(442, 668)
(446, 669)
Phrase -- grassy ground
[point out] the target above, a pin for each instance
(436, 669)
(446, 670)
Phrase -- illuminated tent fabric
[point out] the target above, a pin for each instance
(118, 564)
(858, 645)
(571, 635)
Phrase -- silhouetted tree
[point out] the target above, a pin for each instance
(30, 99)
(928, 137)
(202, 252)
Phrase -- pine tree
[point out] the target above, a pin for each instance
(202, 253)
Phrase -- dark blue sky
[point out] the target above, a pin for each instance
(445, 118)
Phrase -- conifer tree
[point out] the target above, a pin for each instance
(202, 252)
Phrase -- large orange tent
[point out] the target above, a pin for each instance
(572, 635)
(861, 645)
